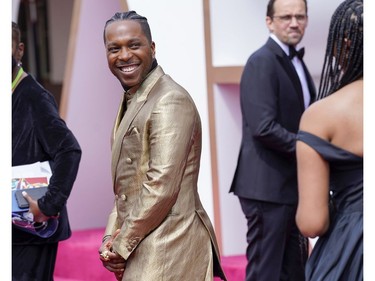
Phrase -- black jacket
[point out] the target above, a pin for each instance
(39, 134)
(271, 100)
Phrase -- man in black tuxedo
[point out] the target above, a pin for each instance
(275, 89)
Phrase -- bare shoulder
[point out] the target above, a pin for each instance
(348, 101)
(315, 116)
(340, 109)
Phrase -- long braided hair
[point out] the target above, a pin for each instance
(343, 62)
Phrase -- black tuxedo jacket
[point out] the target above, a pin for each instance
(272, 104)
(39, 134)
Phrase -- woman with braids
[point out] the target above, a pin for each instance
(330, 155)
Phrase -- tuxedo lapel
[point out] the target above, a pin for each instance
(310, 83)
(289, 68)
(296, 83)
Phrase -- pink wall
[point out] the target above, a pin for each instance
(93, 97)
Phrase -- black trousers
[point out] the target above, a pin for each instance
(33, 262)
(276, 250)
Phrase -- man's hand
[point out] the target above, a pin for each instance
(34, 208)
(111, 260)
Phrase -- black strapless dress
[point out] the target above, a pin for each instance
(338, 254)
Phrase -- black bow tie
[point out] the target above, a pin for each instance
(293, 52)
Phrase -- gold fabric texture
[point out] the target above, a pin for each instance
(156, 149)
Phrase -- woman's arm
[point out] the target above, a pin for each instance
(313, 178)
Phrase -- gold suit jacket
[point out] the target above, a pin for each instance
(165, 232)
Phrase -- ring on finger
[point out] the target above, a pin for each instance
(104, 255)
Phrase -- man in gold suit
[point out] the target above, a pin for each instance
(158, 229)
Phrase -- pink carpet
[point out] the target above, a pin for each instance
(77, 260)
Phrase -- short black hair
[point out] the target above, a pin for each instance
(271, 9)
(16, 32)
(130, 15)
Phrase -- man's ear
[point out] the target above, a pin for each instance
(153, 49)
(269, 23)
(19, 52)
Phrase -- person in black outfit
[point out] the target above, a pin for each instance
(39, 134)
(275, 89)
(330, 155)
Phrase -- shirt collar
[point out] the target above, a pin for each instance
(282, 45)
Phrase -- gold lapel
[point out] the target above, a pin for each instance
(120, 114)
(122, 126)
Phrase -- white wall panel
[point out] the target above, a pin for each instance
(239, 28)
(228, 123)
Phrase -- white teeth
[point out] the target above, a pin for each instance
(128, 68)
